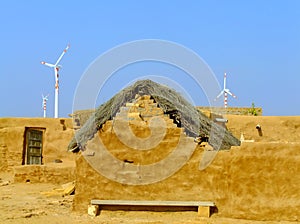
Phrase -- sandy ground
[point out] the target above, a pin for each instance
(24, 203)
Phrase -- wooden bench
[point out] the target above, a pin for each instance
(203, 206)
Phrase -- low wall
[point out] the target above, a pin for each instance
(57, 173)
(249, 111)
(285, 129)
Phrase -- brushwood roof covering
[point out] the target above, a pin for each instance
(171, 102)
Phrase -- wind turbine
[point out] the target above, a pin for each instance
(45, 98)
(56, 68)
(225, 91)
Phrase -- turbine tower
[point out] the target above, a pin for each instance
(45, 98)
(56, 68)
(225, 91)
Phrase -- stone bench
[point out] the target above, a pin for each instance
(203, 206)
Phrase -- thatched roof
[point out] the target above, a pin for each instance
(194, 122)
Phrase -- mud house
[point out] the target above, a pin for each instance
(140, 145)
(257, 180)
(35, 149)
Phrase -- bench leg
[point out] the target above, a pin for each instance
(204, 211)
(93, 210)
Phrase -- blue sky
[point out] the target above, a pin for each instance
(256, 42)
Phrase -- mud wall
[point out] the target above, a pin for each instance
(284, 129)
(232, 110)
(258, 180)
(57, 135)
(58, 173)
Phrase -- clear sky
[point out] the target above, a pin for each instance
(256, 42)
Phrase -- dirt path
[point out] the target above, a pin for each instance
(24, 203)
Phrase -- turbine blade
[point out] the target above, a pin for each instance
(231, 94)
(47, 64)
(62, 54)
(220, 94)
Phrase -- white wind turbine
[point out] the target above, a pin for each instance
(56, 68)
(225, 91)
(45, 98)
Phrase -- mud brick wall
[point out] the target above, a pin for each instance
(230, 110)
(258, 181)
(58, 173)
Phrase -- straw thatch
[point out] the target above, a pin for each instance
(184, 114)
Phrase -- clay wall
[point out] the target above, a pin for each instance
(231, 110)
(58, 173)
(284, 129)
